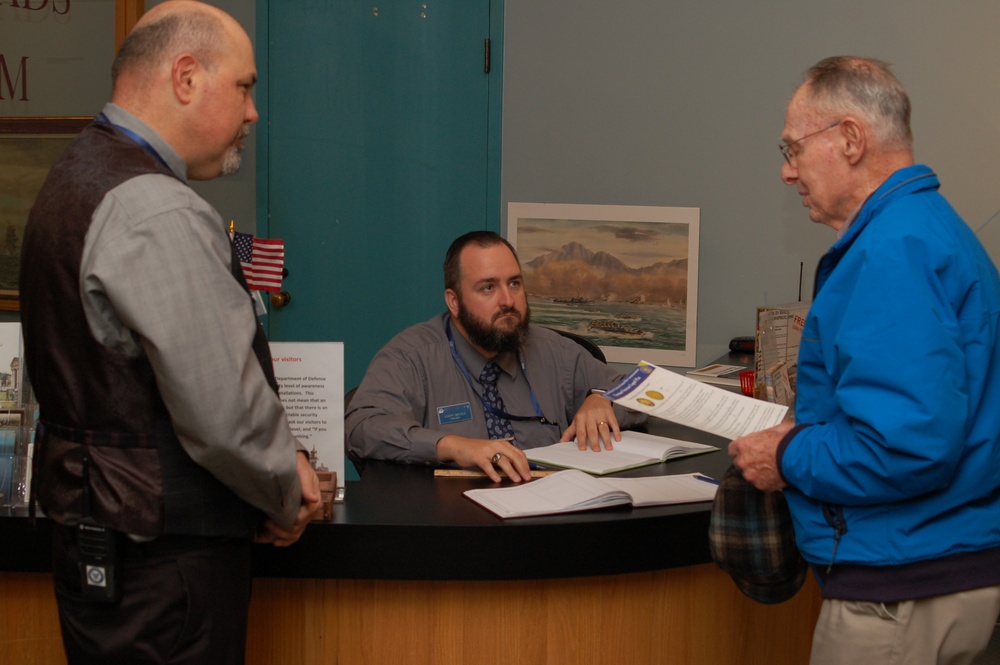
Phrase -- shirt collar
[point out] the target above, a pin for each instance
(847, 224)
(119, 116)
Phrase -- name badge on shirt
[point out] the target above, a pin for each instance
(455, 413)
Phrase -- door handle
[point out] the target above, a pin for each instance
(280, 299)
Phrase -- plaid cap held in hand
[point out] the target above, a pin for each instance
(752, 538)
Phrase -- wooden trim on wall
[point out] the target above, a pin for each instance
(127, 12)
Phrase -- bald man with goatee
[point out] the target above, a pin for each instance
(163, 450)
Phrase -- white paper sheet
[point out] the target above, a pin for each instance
(671, 396)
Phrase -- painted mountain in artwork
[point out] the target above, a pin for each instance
(574, 272)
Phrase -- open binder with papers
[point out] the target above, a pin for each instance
(634, 450)
(572, 491)
(658, 392)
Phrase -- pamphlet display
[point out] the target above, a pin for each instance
(779, 333)
(17, 419)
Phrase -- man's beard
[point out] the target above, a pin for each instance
(489, 338)
(231, 162)
(234, 154)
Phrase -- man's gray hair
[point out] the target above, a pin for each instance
(195, 32)
(864, 87)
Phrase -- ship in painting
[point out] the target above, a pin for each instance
(615, 328)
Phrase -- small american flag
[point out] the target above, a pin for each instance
(262, 260)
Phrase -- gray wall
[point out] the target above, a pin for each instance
(681, 103)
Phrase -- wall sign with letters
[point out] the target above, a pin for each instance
(55, 56)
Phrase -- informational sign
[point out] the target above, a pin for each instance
(311, 382)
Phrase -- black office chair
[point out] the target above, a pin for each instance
(592, 348)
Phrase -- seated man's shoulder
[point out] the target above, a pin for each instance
(421, 336)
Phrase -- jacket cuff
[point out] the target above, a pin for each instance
(783, 444)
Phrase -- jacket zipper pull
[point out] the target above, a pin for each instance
(835, 517)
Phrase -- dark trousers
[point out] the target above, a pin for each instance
(184, 600)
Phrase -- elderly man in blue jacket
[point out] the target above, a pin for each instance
(892, 466)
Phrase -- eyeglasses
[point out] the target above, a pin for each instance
(785, 148)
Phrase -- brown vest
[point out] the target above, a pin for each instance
(103, 425)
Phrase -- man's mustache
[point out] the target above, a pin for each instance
(507, 311)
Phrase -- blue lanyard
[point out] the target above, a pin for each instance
(539, 416)
(143, 143)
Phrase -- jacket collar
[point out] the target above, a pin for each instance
(903, 182)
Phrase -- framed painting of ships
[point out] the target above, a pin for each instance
(624, 277)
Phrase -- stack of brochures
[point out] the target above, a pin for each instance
(724, 375)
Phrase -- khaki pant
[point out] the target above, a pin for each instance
(944, 630)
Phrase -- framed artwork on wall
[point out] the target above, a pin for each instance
(28, 148)
(624, 277)
(30, 144)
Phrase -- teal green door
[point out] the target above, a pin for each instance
(378, 145)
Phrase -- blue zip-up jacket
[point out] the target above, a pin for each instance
(894, 464)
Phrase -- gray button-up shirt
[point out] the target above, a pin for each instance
(394, 415)
(156, 279)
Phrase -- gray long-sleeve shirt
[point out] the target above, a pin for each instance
(155, 279)
(414, 392)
